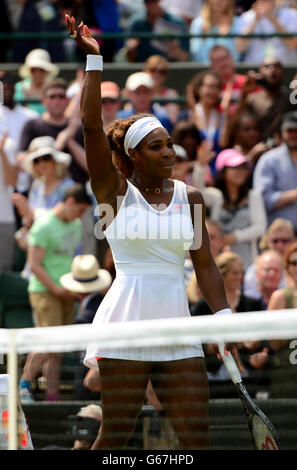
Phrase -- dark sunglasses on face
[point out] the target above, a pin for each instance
(281, 240)
(160, 71)
(293, 263)
(109, 100)
(44, 158)
(61, 96)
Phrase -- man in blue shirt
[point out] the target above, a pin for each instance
(156, 20)
(139, 91)
(276, 174)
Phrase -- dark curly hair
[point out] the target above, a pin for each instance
(116, 135)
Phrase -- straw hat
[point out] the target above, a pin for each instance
(43, 146)
(38, 58)
(86, 276)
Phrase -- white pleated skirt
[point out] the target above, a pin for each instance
(144, 296)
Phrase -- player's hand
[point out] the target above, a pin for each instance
(230, 348)
(84, 38)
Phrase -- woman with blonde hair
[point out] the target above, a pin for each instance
(48, 169)
(230, 266)
(158, 67)
(217, 16)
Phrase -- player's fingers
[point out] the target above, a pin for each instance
(86, 32)
(80, 29)
(236, 356)
(68, 22)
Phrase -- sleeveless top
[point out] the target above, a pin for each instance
(149, 246)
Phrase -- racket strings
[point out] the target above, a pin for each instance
(262, 435)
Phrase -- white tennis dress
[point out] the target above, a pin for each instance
(149, 248)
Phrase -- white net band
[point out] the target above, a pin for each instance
(276, 324)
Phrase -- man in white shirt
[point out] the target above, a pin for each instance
(8, 176)
(265, 18)
(13, 116)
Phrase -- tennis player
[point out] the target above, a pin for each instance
(132, 163)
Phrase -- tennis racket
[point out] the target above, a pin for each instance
(262, 431)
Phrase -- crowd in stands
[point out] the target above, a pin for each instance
(225, 18)
(235, 139)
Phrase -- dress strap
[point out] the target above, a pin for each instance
(181, 194)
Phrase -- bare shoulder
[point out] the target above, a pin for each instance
(194, 195)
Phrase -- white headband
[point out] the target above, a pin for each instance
(138, 130)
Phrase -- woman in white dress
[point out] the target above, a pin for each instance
(134, 162)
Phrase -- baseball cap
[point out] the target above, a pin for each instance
(137, 79)
(230, 158)
(289, 120)
(110, 90)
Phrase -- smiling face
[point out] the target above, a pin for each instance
(154, 155)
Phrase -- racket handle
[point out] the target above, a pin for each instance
(230, 364)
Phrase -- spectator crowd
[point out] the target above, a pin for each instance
(235, 137)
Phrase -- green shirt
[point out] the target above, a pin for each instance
(60, 240)
(20, 95)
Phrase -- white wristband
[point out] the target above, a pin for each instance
(94, 62)
(224, 311)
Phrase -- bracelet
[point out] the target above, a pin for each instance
(94, 62)
(224, 311)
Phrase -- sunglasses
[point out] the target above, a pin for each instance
(60, 96)
(160, 71)
(109, 100)
(292, 263)
(281, 240)
(44, 158)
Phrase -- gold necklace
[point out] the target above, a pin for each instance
(147, 190)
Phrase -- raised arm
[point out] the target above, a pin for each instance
(104, 177)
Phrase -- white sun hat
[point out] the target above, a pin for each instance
(41, 146)
(39, 58)
(138, 79)
(86, 276)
